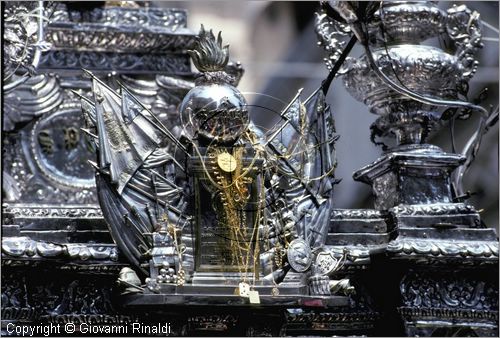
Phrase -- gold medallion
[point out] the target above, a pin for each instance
(226, 162)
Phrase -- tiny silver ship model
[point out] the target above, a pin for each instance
(200, 222)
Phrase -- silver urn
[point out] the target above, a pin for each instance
(409, 81)
(397, 32)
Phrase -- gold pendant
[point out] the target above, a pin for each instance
(226, 162)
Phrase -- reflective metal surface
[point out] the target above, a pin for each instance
(138, 191)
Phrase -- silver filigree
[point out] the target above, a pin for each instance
(135, 19)
(423, 290)
(356, 213)
(125, 42)
(47, 159)
(434, 209)
(25, 247)
(24, 42)
(487, 250)
(395, 32)
(464, 28)
(168, 63)
(19, 210)
(331, 35)
(406, 22)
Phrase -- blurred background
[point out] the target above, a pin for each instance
(277, 45)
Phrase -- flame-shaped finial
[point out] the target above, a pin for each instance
(208, 54)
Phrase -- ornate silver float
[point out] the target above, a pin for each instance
(220, 227)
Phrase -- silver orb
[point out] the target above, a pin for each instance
(214, 113)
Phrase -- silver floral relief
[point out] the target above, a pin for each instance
(115, 62)
(25, 247)
(127, 42)
(138, 18)
(434, 209)
(136, 30)
(406, 22)
(47, 160)
(464, 28)
(452, 291)
(395, 33)
(331, 36)
(424, 69)
(19, 210)
(385, 191)
(484, 250)
(23, 35)
(356, 213)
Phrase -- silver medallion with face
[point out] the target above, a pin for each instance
(299, 255)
